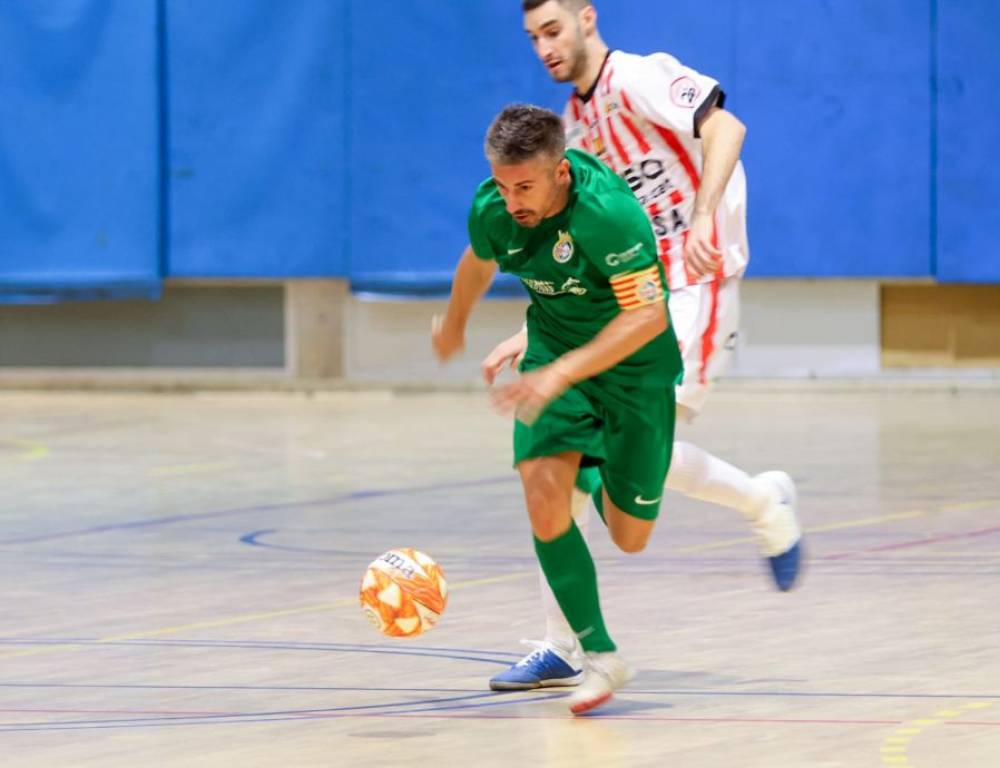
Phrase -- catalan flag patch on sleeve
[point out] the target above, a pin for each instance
(638, 289)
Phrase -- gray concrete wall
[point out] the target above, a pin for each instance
(195, 326)
(790, 329)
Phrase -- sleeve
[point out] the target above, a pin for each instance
(664, 91)
(622, 247)
(478, 229)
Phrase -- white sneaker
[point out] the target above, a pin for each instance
(777, 530)
(604, 673)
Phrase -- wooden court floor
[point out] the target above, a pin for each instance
(180, 573)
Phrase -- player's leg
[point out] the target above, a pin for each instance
(568, 423)
(638, 427)
(569, 569)
(706, 319)
(557, 659)
(638, 439)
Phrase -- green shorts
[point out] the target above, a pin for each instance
(628, 433)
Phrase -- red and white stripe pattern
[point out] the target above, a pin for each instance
(632, 123)
(638, 289)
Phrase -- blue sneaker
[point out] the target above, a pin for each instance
(778, 531)
(785, 567)
(547, 665)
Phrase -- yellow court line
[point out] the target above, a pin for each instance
(894, 746)
(858, 523)
(233, 620)
(968, 506)
(32, 450)
(862, 522)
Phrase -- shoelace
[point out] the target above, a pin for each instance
(540, 646)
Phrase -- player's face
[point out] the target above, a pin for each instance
(534, 189)
(558, 38)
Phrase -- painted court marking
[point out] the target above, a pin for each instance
(234, 620)
(895, 748)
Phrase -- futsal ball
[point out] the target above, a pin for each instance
(404, 593)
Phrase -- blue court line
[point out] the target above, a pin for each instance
(274, 688)
(282, 506)
(629, 691)
(456, 655)
(298, 714)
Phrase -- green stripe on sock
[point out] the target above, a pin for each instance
(570, 571)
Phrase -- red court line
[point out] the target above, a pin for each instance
(923, 542)
(652, 718)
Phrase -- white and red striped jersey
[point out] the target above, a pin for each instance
(641, 119)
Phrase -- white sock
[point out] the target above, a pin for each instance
(700, 475)
(557, 629)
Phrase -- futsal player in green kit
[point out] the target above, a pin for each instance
(597, 381)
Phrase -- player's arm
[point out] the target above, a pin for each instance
(689, 103)
(628, 333)
(473, 276)
(722, 137)
(623, 336)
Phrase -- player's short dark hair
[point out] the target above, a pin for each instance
(573, 5)
(522, 132)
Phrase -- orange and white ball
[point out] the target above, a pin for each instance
(404, 592)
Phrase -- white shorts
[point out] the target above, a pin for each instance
(706, 319)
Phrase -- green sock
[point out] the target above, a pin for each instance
(588, 480)
(570, 571)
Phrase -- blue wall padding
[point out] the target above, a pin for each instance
(426, 79)
(256, 141)
(417, 130)
(343, 138)
(968, 169)
(79, 198)
(837, 99)
(839, 114)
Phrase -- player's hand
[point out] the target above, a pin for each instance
(527, 397)
(447, 338)
(508, 353)
(700, 255)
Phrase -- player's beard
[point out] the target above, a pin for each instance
(577, 61)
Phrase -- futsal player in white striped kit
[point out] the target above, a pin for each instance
(662, 127)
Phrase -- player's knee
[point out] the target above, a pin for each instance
(630, 541)
(548, 510)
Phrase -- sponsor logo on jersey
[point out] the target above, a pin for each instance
(572, 285)
(543, 287)
(684, 92)
(617, 259)
(562, 251)
(548, 288)
(599, 149)
(514, 251)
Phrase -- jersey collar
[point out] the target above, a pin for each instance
(585, 97)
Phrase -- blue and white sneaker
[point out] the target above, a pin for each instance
(777, 530)
(548, 665)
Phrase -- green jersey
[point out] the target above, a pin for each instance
(582, 267)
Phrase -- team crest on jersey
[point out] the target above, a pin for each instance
(684, 92)
(649, 291)
(562, 251)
